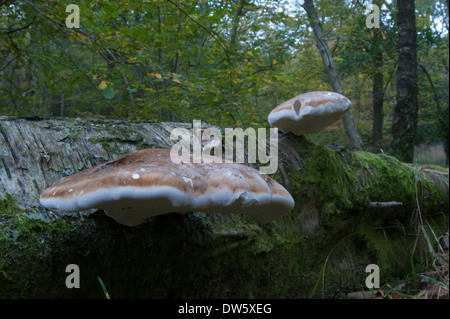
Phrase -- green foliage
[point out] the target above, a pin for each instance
(225, 62)
(145, 60)
(109, 92)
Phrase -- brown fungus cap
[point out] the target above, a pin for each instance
(147, 183)
(309, 112)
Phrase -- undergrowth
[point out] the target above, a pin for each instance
(429, 269)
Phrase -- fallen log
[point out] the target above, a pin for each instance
(329, 237)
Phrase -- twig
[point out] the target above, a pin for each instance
(434, 171)
(212, 33)
(384, 204)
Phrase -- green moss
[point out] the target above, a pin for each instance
(108, 143)
(25, 238)
(111, 144)
(391, 180)
(342, 184)
(384, 178)
(343, 181)
(327, 176)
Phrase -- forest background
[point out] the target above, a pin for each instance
(225, 62)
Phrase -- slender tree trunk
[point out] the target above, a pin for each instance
(349, 124)
(377, 93)
(161, 50)
(201, 43)
(61, 106)
(176, 67)
(406, 110)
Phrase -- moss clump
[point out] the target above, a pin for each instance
(341, 184)
(384, 179)
(108, 143)
(327, 176)
(112, 144)
(26, 238)
(347, 182)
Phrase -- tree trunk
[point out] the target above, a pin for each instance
(176, 67)
(347, 119)
(339, 223)
(161, 44)
(406, 110)
(201, 42)
(378, 97)
(378, 86)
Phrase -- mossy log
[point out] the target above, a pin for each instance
(319, 249)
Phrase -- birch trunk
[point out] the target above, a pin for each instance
(349, 125)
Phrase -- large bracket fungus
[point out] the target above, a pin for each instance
(146, 183)
(309, 112)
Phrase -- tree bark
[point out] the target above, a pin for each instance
(333, 225)
(378, 114)
(406, 110)
(201, 42)
(335, 82)
(378, 87)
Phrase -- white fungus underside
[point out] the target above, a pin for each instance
(310, 120)
(140, 203)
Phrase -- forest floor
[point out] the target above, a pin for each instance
(429, 281)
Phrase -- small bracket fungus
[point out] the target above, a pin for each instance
(146, 183)
(309, 112)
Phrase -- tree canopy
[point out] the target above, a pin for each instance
(226, 62)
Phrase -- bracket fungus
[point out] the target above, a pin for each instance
(309, 112)
(147, 183)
